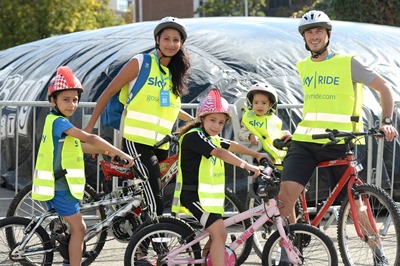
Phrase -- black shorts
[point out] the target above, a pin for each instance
(191, 201)
(302, 158)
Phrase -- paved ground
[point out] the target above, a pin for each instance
(113, 252)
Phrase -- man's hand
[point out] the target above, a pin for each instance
(390, 132)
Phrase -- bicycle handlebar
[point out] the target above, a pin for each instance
(333, 134)
(174, 137)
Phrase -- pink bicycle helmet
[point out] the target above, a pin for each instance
(213, 103)
(64, 80)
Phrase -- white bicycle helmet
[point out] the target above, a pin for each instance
(171, 22)
(313, 19)
(266, 88)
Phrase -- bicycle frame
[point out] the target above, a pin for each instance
(351, 176)
(269, 211)
(131, 202)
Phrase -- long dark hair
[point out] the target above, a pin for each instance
(188, 126)
(179, 66)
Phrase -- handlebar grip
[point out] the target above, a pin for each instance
(121, 161)
(166, 139)
(321, 136)
(280, 144)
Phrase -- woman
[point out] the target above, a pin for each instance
(151, 114)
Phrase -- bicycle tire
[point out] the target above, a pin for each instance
(175, 231)
(233, 205)
(355, 251)
(12, 230)
(316, 247)
(23, 205)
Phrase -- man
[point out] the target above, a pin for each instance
(332, 86)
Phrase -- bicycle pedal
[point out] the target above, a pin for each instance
(90, 254)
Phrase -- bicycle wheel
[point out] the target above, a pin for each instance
(316, 247)
(357, 251)
(12, 230)
(149, 245)
(23, 205)
(233, 205)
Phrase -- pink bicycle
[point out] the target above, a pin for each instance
(169, 243)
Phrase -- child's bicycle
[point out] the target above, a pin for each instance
(34, 241)
(166, 244)
(22, 204)
(368, 223)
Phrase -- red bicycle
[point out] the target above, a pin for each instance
(368, 224)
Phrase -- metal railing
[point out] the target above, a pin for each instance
(14, 126)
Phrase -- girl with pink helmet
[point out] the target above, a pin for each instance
(200, 183)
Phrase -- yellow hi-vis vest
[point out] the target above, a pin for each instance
(330, 99)
(43, 184)
(146, 121)
(211, 187)
(266, 128)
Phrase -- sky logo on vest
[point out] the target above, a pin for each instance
(156, 82)
(215, 160)
(255, 123)
(320, 80)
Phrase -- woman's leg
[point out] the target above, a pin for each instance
(149, 166)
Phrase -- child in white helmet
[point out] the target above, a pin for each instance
(259, 123)
(59, 177)
(200, 185)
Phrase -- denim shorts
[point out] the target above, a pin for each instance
(64, 203)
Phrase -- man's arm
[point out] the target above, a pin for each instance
(383, 87)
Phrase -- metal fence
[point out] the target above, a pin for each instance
(14, 126)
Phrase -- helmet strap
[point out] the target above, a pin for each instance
(57, 110)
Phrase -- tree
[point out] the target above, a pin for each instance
(219, 8)
(25, 21)
(385, 12)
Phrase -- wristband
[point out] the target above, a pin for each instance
(243, 165)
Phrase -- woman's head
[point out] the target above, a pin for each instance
(170, 35)
(213, 111)
(64, 91)
(262, 99)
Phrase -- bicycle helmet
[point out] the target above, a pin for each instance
(213, 103)
(314, 19)
(64, 80)
(266, 88)
(171, 22)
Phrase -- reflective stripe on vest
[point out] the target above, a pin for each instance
(330, 99)
(211, 188)
(266, 128)
(147, 121)
(71, 160)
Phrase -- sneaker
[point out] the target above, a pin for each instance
(284, 259)
(380, 258)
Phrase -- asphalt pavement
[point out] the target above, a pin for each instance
(113, 251)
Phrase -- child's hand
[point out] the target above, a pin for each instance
(129, 158)
(264, 155)
(253, 140)
(255, 170)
